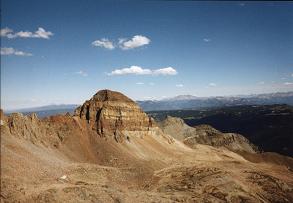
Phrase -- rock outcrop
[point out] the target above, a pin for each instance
(49, 131)
(111, 113)
(205, 134)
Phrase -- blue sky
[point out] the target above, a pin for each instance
(55, 52)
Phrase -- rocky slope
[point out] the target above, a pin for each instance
(68, 158)
(205, 134)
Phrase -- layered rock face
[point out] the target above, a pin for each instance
(205, 134)
(112, 113)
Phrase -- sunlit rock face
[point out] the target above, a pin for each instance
(112, 113)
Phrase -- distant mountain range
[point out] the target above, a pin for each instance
(179, 102)
(45, 108)
(48, 110)
(194, 102)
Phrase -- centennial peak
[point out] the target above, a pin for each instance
(111, 113)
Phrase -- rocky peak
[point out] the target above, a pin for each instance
(176, 127)
(108, 95)
(112, 113)
(173, 121)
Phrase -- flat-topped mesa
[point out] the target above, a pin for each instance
(112, 113)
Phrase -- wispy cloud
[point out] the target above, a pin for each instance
(207, 40)
(82, 73)
(5, 31)
(140, 83)
(40, 33)
(123, 43)
(179, 85)
(165, 71)
(212, 84)
(136, 70)
(151, 84)
(136, 41)
(104, 42)
(12, 51)
(288, 83)
(261, 83)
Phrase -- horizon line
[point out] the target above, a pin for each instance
(137, 100)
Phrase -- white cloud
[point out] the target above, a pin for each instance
(212, 84)
(12, 51)
(103, 43)
(5, 31)
(82, 73)
(207, 40)
(136, 70)
(288, 83)
(261, 83)
(165, 71)
(136, 41)
(179, 85)
(292, 74)
(140, 83)
(40, 33)
(151, 84)
(22, 34)
(123, 43)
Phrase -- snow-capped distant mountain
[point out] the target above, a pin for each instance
(194, 102)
